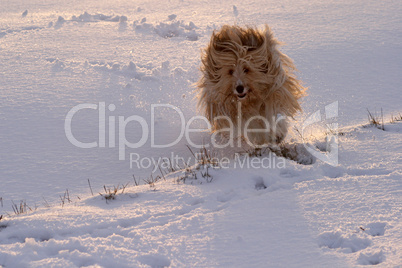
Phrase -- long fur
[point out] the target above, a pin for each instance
(249, 57)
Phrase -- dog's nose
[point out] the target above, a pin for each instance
(240, 89)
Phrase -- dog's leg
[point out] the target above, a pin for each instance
(278, 123)
(281, 125)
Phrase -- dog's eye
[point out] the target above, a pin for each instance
(246, 70)
(231, 72)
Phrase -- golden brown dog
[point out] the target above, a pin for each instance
(248, 87)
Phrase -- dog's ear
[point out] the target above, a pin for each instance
(210, 66)
(277, 64)
(220, 39)
(282, 68)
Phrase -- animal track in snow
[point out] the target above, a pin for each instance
(259, 183)
(375, 228)
(371, 258)
(335, 240)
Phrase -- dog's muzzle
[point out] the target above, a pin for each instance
(241, 91)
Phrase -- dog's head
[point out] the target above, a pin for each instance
(244, 64)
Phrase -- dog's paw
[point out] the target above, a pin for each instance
(281, 128)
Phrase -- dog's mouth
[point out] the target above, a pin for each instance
(242, 96)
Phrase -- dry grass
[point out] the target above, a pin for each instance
(152, 180)
(375, 120)
(65, 198)
(136, 183)
(205, 157)
(111, 193)
(205, 160)
(22, 207)
(395, 119)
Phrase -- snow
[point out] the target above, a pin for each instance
(264, 211)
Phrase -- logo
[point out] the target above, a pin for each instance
(146, 130)
(330, 156)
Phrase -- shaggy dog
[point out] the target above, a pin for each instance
(248, 87)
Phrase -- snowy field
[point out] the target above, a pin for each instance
(126, 56)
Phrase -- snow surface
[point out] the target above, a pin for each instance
(55, 55)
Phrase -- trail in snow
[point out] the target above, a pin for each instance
(284, 216)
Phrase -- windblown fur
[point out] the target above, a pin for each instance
(243, 67)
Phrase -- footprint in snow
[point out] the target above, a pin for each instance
(371, 258)
(375, 228)
(348, 244)
(259, 183)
